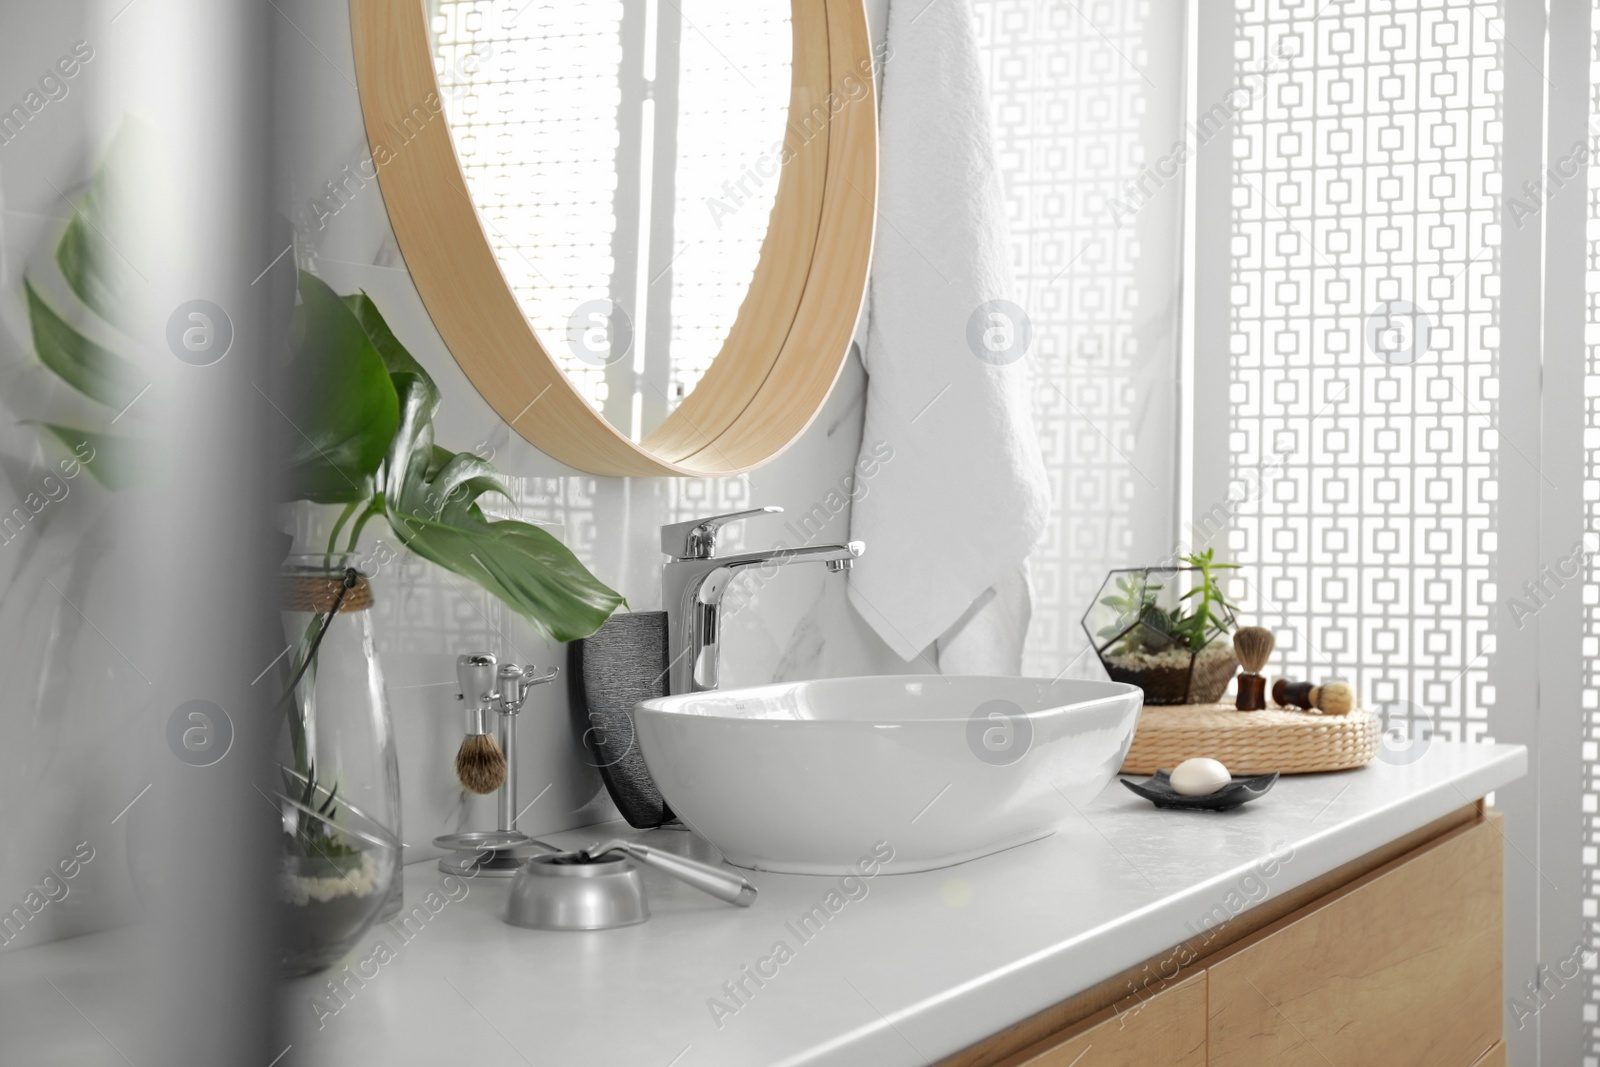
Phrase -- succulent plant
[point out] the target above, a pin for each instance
(1144, 626)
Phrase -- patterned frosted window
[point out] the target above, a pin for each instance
(1083, 96)
(575, 145)
(1364, 346)
(531, 92)
(731, 119)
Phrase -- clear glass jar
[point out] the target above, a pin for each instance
(340, 782)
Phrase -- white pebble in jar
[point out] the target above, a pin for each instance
(1199, 777)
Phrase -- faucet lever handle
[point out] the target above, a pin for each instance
(697, 538)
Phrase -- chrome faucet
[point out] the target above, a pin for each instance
(694, 580)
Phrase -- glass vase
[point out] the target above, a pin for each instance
(340, 782)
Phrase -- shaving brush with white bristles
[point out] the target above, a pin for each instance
(480, 765)
(1330, 698)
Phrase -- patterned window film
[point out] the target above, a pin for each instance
(1364, 347)
(1083, 97)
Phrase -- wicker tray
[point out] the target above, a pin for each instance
(1252, 742)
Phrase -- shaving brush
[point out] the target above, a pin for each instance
(1253, 645)
(1334, 698)
(480, 765)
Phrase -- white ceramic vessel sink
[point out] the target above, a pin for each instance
(808, 777)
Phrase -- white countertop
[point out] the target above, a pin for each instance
(919, 967)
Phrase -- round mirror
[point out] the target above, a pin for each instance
(641, 227)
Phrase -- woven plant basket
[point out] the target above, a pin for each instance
(1253, 742)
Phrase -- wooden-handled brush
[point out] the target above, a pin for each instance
(1334, 698)
(1253, 645)
(480, 765)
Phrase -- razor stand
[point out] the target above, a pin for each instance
(494, 852)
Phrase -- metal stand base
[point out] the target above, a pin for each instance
(487, 852)
(477, 865)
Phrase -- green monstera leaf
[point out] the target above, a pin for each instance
(520, 563)
(105, 282)
(101, 276)
(344, 412)
(115, 462)
(90, 368)
(431, 499)
(403, 367)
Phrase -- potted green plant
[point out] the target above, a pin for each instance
(362, 411)
(1167, 630)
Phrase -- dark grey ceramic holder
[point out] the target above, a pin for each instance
(620, 664)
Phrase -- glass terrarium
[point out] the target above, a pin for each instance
(339, 797)
(1167, 630)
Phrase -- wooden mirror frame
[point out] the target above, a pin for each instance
(792, 333)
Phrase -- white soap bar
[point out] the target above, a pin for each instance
(1199, 777)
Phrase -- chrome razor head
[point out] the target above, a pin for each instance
(475, 672)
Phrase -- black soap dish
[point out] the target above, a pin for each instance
(1158, 790)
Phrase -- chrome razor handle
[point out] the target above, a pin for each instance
(719, 882)
(475, 673)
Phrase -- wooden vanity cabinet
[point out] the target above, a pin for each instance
(1168, 1028)
(1403, 967)
(1392, 959)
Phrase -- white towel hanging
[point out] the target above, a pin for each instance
(952, 518)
